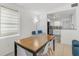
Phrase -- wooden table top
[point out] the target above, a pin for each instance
(34, 42)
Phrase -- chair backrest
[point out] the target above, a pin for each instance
(46, 48)
(40, 32)
(75, 43)
(33, 32)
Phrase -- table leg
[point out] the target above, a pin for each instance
(53, 45)
(34, 54)
(15, 48)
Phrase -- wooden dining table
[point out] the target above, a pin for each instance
(34, 43)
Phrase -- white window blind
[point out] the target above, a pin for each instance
(9, 21)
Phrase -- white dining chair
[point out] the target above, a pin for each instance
(48, 50)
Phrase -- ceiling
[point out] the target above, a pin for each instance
(41, 7)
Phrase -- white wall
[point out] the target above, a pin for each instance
(26, 23)
(43, 23)
(68, 35)
(7, 44)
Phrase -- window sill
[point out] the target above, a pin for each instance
(10, 36)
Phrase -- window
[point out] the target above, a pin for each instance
(9, 21)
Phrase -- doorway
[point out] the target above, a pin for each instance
(54, 30)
